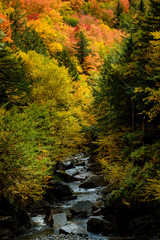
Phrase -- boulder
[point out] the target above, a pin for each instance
(98, 224)
(60, 166)
(68, 165)
(93, 181)
(65, 176)
(98, 204)
(60, 190)
(39, 207)
(73, 228)
(82, 208)
(12, 218)
(108, 189)
(49, 196)
(97, 212)
(59, 220)
(49, 215)
(81, 163)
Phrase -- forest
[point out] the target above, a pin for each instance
(80, 76)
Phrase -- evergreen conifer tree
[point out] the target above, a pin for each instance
(82, 47)
(14, 86)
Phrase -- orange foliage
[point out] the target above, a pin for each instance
(5, 27)
(125, 4)
(39, 6)
(76, 4)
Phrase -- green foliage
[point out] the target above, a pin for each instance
(14, 85)
(65, 60)
(82, 47)
(27, 147)
(72, 21)
(134, 174)
(24, 37)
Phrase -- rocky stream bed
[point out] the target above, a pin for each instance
(75, 207)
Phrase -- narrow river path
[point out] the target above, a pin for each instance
(42, 231)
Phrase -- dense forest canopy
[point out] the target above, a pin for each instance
(79, 76)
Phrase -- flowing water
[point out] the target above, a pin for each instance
(42, 231)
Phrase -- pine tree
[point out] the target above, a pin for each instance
(118, 12)
(65, 60)
(141, 6)
(14, 86)
(82, 47)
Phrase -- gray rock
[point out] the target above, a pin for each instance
(82, 208)
(68, 164)
(82, 163)
(59, 220)
(61, 190)
(60, 166)
(108, 189)
(72, 228)
(98, 224)
(38, 207)
(98, 212)
(93, 181)
(65, 176)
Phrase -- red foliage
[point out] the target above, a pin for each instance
(34, 16)
(95, 9)
(125, 5)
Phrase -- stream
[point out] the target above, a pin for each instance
(41, 230)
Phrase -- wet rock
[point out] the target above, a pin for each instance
(72, 228)
(65, 176)
(12, 217)
(98, 212)
(68, 165)
(69, 198)
(38, 207)
(93, 181)
(98, 224)
(82, 163)
(59, 220)
(49, 196)
(82, 208)
(60, 166)
(97, 205)
(61, 190)
(108, 189)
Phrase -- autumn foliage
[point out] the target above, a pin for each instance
(79, 75)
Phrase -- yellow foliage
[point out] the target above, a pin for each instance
(46, 29)
(9, 10)
(55, 17)
(56, 47)
(52, 86)
(110, 146)
(152, 189)
(1, 6)
(50, 82)
(76, 4)
(109, 155)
